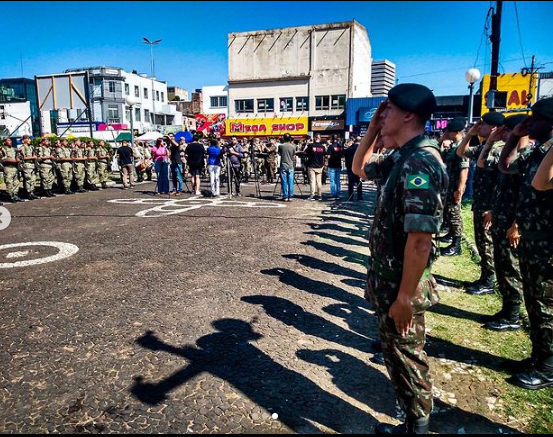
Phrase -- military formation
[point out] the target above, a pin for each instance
(423, 183)
(73, 167)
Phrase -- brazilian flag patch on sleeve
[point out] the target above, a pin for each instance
(418, 182)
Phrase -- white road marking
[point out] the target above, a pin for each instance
(65, 250)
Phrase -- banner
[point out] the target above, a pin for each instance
(211, 123)
(264, 127)
(322, 125)
(513, 90)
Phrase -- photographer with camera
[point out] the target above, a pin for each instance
(235, 154)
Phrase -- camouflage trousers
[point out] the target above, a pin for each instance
(507, 267)
(66, 170)
(484, 243)
(536, 265)
(79, 174)
(47, 176)
(453, 218)
(11, 178)
(406, 361)
(29, 178)
(271, 171)
(91, 173)
(103, 175)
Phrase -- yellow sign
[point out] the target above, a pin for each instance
(514, 89)
(265, 127)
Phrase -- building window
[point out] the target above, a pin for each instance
(322, 103)
(146, 115)
(339, 102)
(163, 97)
(128, 112)
(111, 87)
(145, 93)
(157, 96)
(137, 115)
(265, 105)
(113, 114)
(244, 106)
(127, 89)
(302, 104)
(219, 102)
(136, 91)
(287, 104)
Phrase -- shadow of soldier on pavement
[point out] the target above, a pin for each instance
(229, 355)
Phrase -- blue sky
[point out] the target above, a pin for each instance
(433, 43)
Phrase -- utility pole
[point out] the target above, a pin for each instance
(496, 42)
(532, 71)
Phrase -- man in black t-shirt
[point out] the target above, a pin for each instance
(354, 182)
(125, 154)
(335, 154)
(316, 153)
(195, 153)
(177, 171)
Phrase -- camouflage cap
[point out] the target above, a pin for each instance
(544, 108)
(494, 119)
(414, 98)
(456, 125)
(514, 120)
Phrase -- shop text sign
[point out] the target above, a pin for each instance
(267, 126)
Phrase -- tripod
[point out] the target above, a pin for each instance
(279, 179)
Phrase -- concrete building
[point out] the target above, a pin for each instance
(215, 100)
(383, 77)
(15, 119)
(304, 73)
(177, 94)
(23, 90)
(110, 88)
(545, 86)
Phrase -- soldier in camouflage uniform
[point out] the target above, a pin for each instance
(271, 149)
(28, 167)
(458, 171)
(483, 182)
(91, 168)
(534, 216)
(247, 161)
(10, 162)
(64, 157)
(79, 158)
(104, 161)
(47, 167)
(502, 218)
(409, 214)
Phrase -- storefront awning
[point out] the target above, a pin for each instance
(124, 136)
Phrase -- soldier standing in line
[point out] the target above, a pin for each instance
(483, 181)
(79, 159)
(271, 150)
(47, 163)
(28, 167)
(91, 170)
(500, 219)
(409, 215)
(63, 154)
(458, 171)
(534, 217)
(10, 162)
(104, 160)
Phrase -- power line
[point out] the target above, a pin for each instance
(457, 69)
(520, 35)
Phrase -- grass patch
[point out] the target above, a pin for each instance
(534, 410)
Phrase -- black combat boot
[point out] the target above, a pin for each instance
(104, 186)
(516, 367)
(81, 190)
(500, 315)
(15, 199)
(446, 239)
(412, 426)
(538, 378)
(510, 321)
(455, 249)
(33, 197)
(68, 192)
(49, 194)
(486, 287)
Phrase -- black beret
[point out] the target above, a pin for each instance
(415, 98)
(494, 119)
(514, 120)
(456, 125)
(544, 108)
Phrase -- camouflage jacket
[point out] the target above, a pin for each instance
(28, 151)
(43, 152)
(484, 181)
(534, 212)
(455, 165)
(8, 153)
(415, 203)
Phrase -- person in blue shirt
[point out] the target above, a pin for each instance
(214, 154)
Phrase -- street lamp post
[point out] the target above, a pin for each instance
(472, 76)
(131, 103)
(153, 71)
